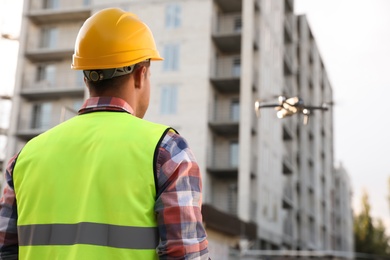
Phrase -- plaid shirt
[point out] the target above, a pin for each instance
(178, 200)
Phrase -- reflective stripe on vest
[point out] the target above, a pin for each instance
(89, 233)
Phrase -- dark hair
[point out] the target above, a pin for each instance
(100, 87)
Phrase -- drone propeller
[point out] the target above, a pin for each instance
(259, 104)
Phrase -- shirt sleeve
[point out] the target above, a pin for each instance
(8, 216)
(178, 202)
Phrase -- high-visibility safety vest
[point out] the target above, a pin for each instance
(86, 189)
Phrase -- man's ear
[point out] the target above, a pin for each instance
(139, 76)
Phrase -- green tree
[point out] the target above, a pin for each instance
(370, 234)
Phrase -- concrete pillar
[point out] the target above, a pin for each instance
(246, 110)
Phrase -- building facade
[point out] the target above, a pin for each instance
(5, 102)
(268, 183)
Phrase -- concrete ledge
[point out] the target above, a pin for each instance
(227, 223)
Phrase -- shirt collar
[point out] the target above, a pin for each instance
(105, 104)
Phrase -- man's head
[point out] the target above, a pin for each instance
(114, 49)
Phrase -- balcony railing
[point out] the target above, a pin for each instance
(228, 24)
(54, 42)
(223, 162)
(33, 120)
(224, 118)
(225, 113)
(27, 130)
(225, 197)
(226, 73)
(227, 67)
(227, 32)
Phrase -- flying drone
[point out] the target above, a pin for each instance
(290, 106)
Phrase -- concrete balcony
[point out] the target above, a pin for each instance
(229, 6)
(222, 164)
(224, 118)
(228, 224)
(67, 14)
(37, 117)
(28, 134)
(225, 76)
(227, 33)
(46, 90)
(228, 128)
(5, 97)
(49, 54)
(223, 171)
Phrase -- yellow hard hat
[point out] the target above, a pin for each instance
(113, 38)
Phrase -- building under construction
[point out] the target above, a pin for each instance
(270, 185)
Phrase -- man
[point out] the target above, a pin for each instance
(106, 184)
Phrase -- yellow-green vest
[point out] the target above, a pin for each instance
(86, 189)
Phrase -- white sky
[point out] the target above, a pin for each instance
(354, 39)
(10, 18)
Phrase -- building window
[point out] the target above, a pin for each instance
(234, 156)
(46, 75)
(236, 69)
(172, 16)
(41, 115)
(237, 24)
(168, 100)
(235, 110)
(49, 37)
(171, 57)
(232, 198)
(51, 4)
